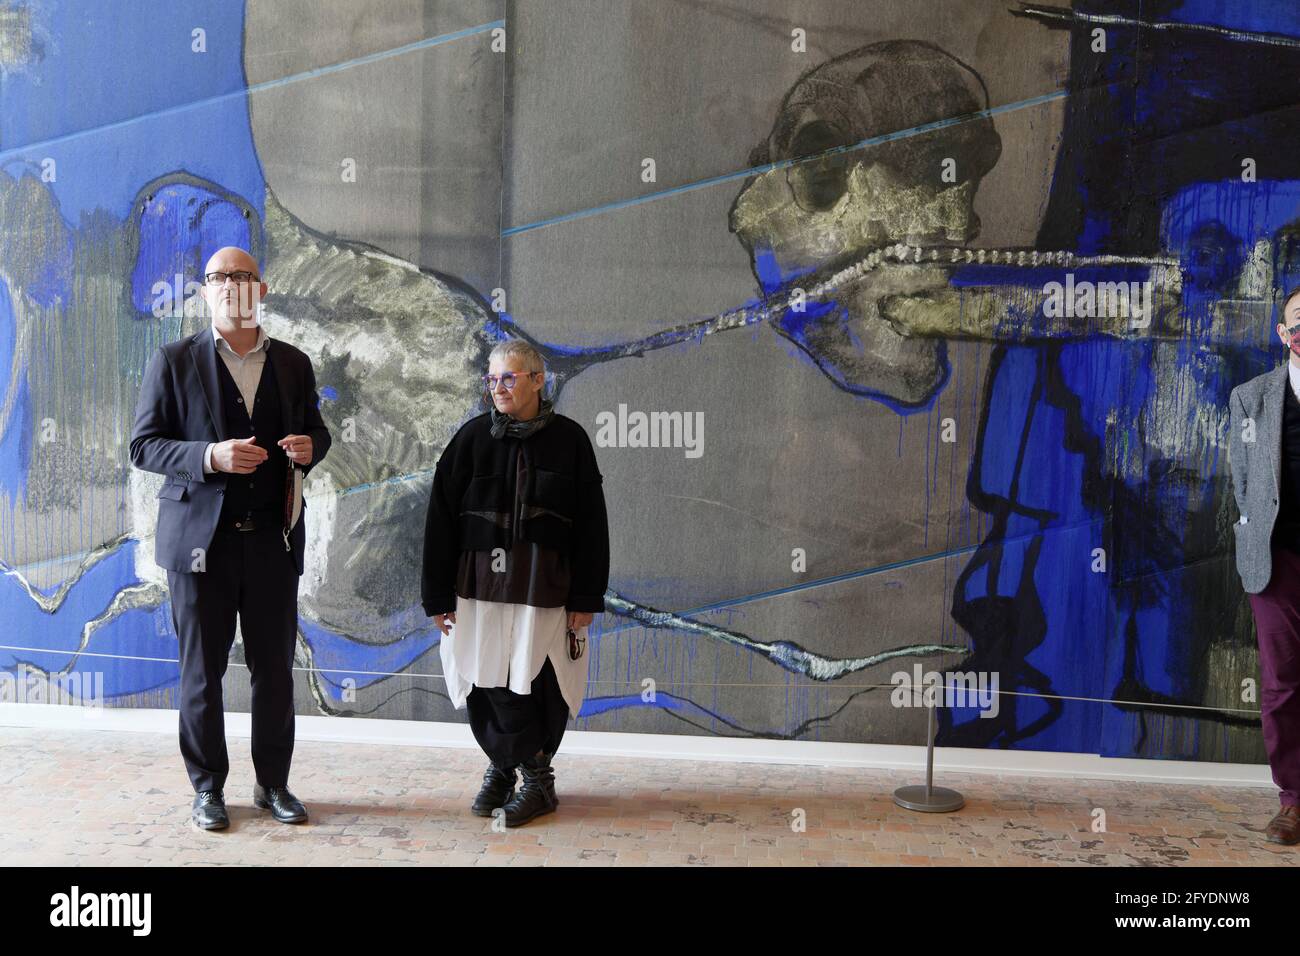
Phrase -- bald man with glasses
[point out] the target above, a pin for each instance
(232, 418)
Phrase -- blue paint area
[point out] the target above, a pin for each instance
(1051, 412)
(1012, 392)
(1263, 16)
(119, 98)
(329, 393)
(132, 634)
(771, 277)
(685, 707)
(1098, 442)
(181, 225)
(1029, 599)
(593, 706)
(338, 657)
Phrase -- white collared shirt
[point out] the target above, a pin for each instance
(246, 370)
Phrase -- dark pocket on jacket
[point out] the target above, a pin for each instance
(555, 492)
(485, 493)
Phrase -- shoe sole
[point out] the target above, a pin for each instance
(263, 805)
(209, 826)
(1281, 842)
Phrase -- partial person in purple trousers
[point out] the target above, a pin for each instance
(1265, 461)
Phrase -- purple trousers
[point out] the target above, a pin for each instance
(1277, 625)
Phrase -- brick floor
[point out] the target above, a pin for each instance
(119, 798)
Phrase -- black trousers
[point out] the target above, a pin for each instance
(511, 727)
(252, 575)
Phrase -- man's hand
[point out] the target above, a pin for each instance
(442, 620)
(298, 448)
(579, 619)
(239, 456)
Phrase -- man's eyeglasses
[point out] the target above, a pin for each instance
(219, 278)
(508, 380)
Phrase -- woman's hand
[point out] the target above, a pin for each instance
(442, 620)
(579, 619)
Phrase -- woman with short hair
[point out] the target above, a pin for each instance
(516, 562)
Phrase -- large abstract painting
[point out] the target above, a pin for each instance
(904, 331)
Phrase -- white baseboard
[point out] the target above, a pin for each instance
(413, 733)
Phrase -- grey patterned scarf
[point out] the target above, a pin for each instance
(503, 424)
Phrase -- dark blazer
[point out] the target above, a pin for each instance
(179, 412)
(473, 495)
(1256, 471)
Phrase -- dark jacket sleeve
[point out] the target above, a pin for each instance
(591, 536)
(313, 423)
(441, 536)
(156, 444)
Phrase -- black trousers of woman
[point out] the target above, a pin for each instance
(512, 727)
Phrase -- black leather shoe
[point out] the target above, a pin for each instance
(536, 796)
(284, 806)
(209, 810)
(498, 788)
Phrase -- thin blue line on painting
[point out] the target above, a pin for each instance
(845, 576)
(782, 164)
(821, 582)
(426, 43)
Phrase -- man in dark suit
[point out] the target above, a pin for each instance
(227, 415)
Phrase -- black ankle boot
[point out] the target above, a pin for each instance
(498, 788)
(536, 796)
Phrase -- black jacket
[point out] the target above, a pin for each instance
(473, 494)
(179, 412)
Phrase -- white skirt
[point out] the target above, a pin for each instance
(494, 644)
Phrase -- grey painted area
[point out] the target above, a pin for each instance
(423, 127)
(597, 86)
